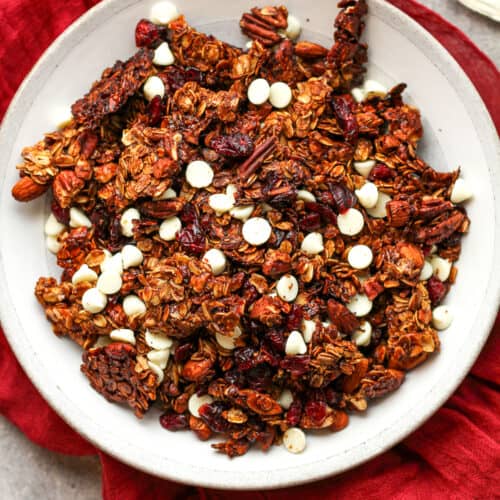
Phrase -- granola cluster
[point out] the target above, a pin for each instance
(214, 349)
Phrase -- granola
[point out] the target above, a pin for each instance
(216, 344)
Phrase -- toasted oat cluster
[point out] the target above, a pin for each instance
(248, 238)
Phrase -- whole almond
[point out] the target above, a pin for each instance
(27, 189)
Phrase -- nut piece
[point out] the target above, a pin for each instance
(163, 13)
(94, 301)
(258, 91)
(362, 336)
(287, 288)
(163, 55)
(169, 228)
(126, 221)
(360, 305)
(84, 274)
(294, 440)
(195, 402)
(256, 231)
(27, 189)
(123, 335)
(153, 87)
(312, 244)
(442, 317)
(280, 95)
(199, 174)
(360, 256)
(350, 222)
(216, 260)
(295, 344)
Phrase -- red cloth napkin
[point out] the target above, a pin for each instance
(455, 454)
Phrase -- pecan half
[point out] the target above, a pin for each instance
(263, 24)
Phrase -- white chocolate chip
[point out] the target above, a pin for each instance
(126, 223)
(461, 191)
(426, 271)
(295, 344)
(226, 341)
(363, 335)
(123, 335)
(221, 203)
(53, 227)
(157, 371)
(195, 402)
(367, 195)
(163, 13)
(280, 95)
(133, 306)
(52, 244)
(287, 288)
(312, 244)
(78, 219)
(308, 329)
(242, 212)
(169, 194)
(61, 116)
(102, 341)
(131, 256)
(364, 167)
(159, 358)
(360, 305)
(84, 274)
(153, 87)
(265, 207)
(109, 282)
(372, 88)
(249, 44)
(306, 196)
(112, 263)
(258, 91)
(294, 440)
(358, 94)
(163, 55)
(360, 256)
(441, 317)
(199, 174)
(285, 399)
(169, 228)
(440, 267)
(293, 27)
(216, 260)
(94, 301)
(350, 222)
(256, 231)
(231, 190)
(378, 211)
(157, 341)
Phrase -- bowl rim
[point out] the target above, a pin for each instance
(319, 469)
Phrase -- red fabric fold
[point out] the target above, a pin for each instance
(455, 454)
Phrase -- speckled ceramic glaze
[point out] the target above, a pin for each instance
(458, 132)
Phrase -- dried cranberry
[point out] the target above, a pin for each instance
(295, 317)
(343, 108)
(233, 146)
(155, 110)
(147, 33)
(244, 358)
(276, 339)
(343, 197)
(235, 377)
(269, 355)
(437, 290)
(211, 414)
(174, 421)
(191, 237)
(316, 411)
(260, 378)
(183, 351)
(332, 397)
(380, 172)
(250, 293)
(116, 238)
(296, 365)
(310, 222)
(60, 213)
(294, 413)
(175, 77)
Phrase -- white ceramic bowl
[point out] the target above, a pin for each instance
(458, 132)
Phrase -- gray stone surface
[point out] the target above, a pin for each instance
(28, 471)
